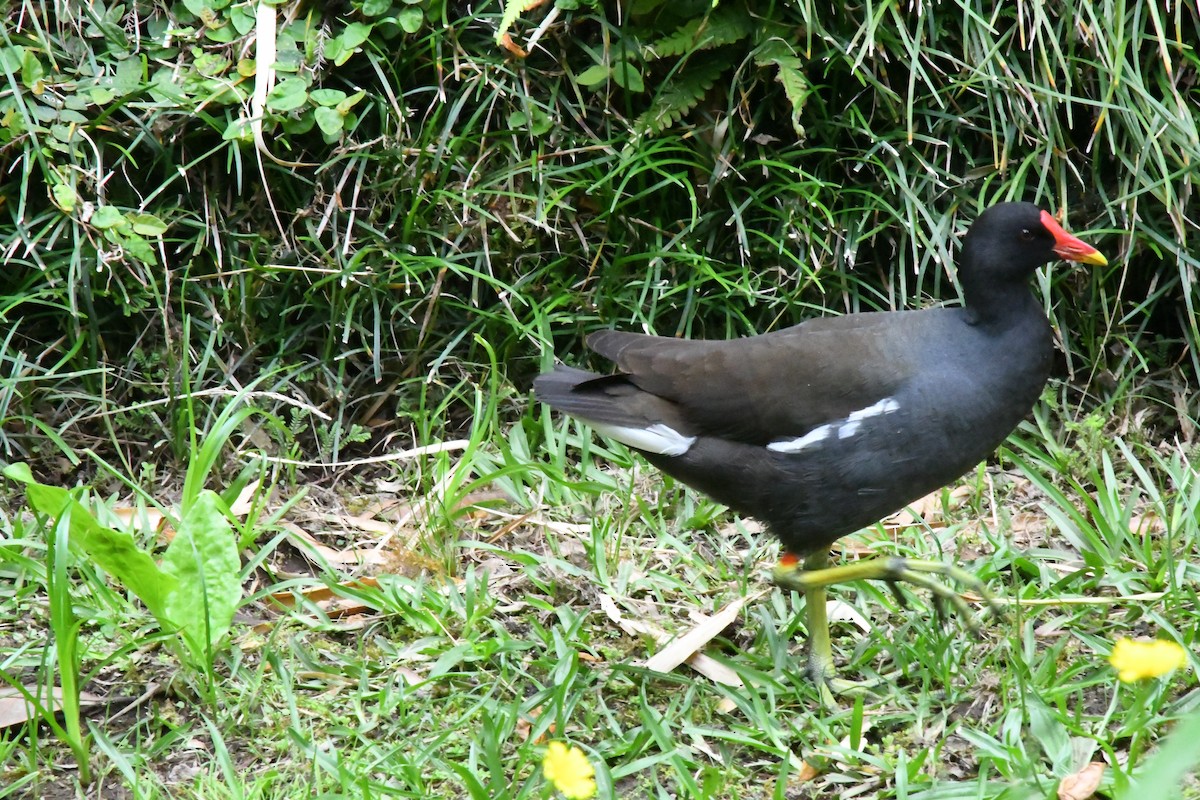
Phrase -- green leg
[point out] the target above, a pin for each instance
(815, 575)
(819, 668)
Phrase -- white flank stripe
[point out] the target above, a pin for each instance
(845, 428)
(885, 406)
(656, 438)
(796, 445)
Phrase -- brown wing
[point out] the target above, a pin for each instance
(780, 384)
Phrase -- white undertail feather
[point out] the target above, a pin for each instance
(807, 440)
(656, 438)
(845, 428)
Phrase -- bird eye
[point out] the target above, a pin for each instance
(1026, 235)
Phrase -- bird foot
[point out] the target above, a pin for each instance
(822, 673)
(920, 573)
(815, 575)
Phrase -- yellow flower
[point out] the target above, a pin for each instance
(568, 769)
(1135, 661)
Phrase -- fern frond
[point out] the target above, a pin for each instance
(680, 94)
(777, 53)
(513, 9)
(725, 25)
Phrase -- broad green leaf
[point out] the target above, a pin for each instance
(210, 65)
(221, 34)
(375, 8)
(32, 72)
(115, 552)
(355, 34)
(1163, 775)
(203, 560)
(11, 58)
(288, 95)
(128, 76)
(593, 75)
(537, 123)
(410, 19)
(329, 120)
(350, 102)
(327, 97)
(242, 19)
(133, 244)
(628, 77)
(336, 52)
(107, 217)
(238, 129)
(295, 126)
(147, 224)
(65, 197)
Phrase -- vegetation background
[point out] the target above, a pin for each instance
(309, 256)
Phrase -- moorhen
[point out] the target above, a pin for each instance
(826, 427)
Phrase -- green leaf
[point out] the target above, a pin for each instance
(128, 76)
(203, 561)
(211, 65)
(296, 126)
(327, 97)
(593, 75)
(538, 122)
(1163, 776)
(336, 52)
(329, 120)
(375, 8)
(242, 19)
(65, 197)
(725, 25)
(11, 58)
(777, 53)
(355, 34)
(221, 34)
(147, 224)
(133, 244)
(238, 129)
(410, 19)
(628, 77)
(288, 95)
(350, 102)
(32, 72)
(113, 551)
(105, 217)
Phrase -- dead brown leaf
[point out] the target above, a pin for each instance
(1082, 784)
(357, 556)
(508, 44)
(323, 596)
(1148, 524)
(927, 510)
(245, 500)
(144, 520)
(684, 648)
(16, 710)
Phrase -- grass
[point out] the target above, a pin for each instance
(440, 577)
(445, 686)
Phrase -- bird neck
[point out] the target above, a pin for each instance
(999, 303)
